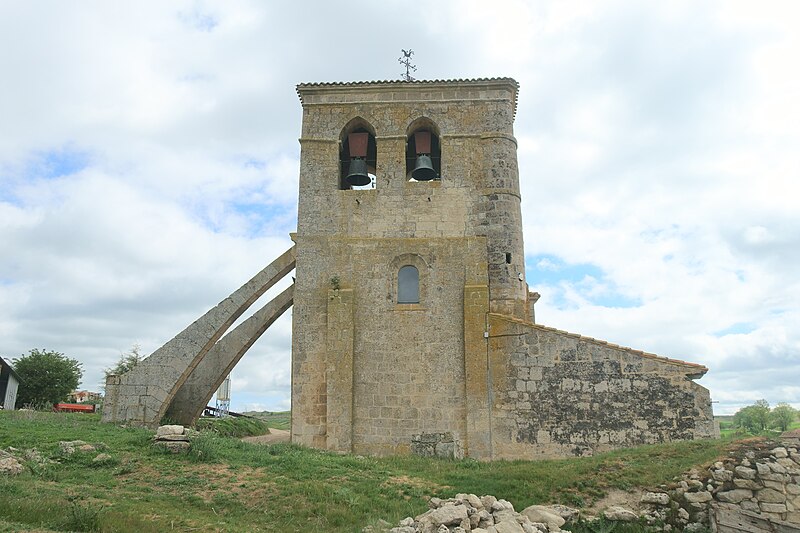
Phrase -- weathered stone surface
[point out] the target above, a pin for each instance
(777, 468)
(722, 475)
(448, 515)
(70, 447)
(174, 438)
(173, 446)
(740, 483)
(770, 496)
(102, 458)
(779, 452)
(463, 235)
(503, 515)
(508, 526)
(570, 514)
(655, 498)
(749, 505)
(540, 513)
(142, 395)
(745, 472)
(762, 469)
(620, 514)
(10, 466)
(734, 496)
(173, 429)
(772, 507)
(195, 393)
(698, 497)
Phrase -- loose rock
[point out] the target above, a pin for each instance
(620, 514)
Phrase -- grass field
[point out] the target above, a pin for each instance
(228, 485)
(728, 430)
(274, 419)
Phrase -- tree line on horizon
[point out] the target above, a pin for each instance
(758, 417)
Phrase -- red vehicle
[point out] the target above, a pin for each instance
(73, 408)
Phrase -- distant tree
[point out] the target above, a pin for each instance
(783, 415)
(126, 362)
(754, 417)
(46, 377)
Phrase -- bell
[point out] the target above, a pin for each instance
(357, 176)
(423, 169)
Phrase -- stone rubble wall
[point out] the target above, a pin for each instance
(485, 514)
(755, 490)
(559, 394)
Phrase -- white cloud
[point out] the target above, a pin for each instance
(658, 144)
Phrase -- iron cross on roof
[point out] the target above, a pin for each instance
(406, 60)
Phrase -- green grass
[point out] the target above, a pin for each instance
(274, 419)
(729, 430)
(230, 426)
(225, 484)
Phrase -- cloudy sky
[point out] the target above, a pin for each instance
(149, 165)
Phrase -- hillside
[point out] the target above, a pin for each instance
(228, 485)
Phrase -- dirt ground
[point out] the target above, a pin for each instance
(274, 436)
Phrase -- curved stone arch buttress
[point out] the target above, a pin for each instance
(142, 395)
(192, 397)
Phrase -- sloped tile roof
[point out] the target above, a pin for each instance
(698, 369)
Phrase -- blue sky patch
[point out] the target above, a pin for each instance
(199, 21)
(58, 162)
(739, 328)
(588, 280)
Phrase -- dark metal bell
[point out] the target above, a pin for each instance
(357, 176)
(423, 169)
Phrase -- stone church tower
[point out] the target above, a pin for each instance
(413, 324)
(370, 368)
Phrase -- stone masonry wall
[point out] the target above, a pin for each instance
(560, 394)
(370, 375)
(390, 371)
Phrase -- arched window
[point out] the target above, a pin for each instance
(408, 285)
(358, 157)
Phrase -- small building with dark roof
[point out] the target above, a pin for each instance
(9, 384)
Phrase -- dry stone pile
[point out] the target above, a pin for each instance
(172, 438)
(9, 464)
(12, 460)
(485, 514)
(756, 489)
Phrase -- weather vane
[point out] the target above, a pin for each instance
(406, 60)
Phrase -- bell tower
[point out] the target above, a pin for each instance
(409, 234)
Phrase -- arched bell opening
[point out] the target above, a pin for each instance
(358, 156)
(423, 151)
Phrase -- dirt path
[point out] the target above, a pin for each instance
(274, 436)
